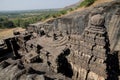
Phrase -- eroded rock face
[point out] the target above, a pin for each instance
(97, 20)
(79, 20)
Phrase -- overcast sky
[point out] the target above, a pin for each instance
(33, 4)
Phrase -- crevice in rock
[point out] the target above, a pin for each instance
(88, 70)
(4, 64)
(86, 78)
(47, 78)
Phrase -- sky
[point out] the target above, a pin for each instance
(8, 5)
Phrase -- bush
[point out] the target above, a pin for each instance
(63, 11)
(86, 3)
(71, 9)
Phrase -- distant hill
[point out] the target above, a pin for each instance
(73, 5)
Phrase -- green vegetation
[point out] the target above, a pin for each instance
(24, 18)
(4, 22)
(86, 3)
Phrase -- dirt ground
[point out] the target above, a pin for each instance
(8, 32)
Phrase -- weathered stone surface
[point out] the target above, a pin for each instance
(97, 20)
(93, 60)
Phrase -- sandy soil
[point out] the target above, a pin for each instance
(8, 32)
(101, 1)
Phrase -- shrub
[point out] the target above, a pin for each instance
(63, 11)
(86, 3)
(71, 9)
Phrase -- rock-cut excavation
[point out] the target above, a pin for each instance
(53, 52)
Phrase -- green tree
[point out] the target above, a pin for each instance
(26, 24)
(9, 24)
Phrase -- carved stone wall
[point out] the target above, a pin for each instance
(88, 62)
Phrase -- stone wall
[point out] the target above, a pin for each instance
(89, 59)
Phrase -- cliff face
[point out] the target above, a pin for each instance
(77, 21)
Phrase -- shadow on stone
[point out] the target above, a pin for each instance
(64, 66)
(113, 66)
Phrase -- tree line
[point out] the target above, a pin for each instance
(10, 21)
